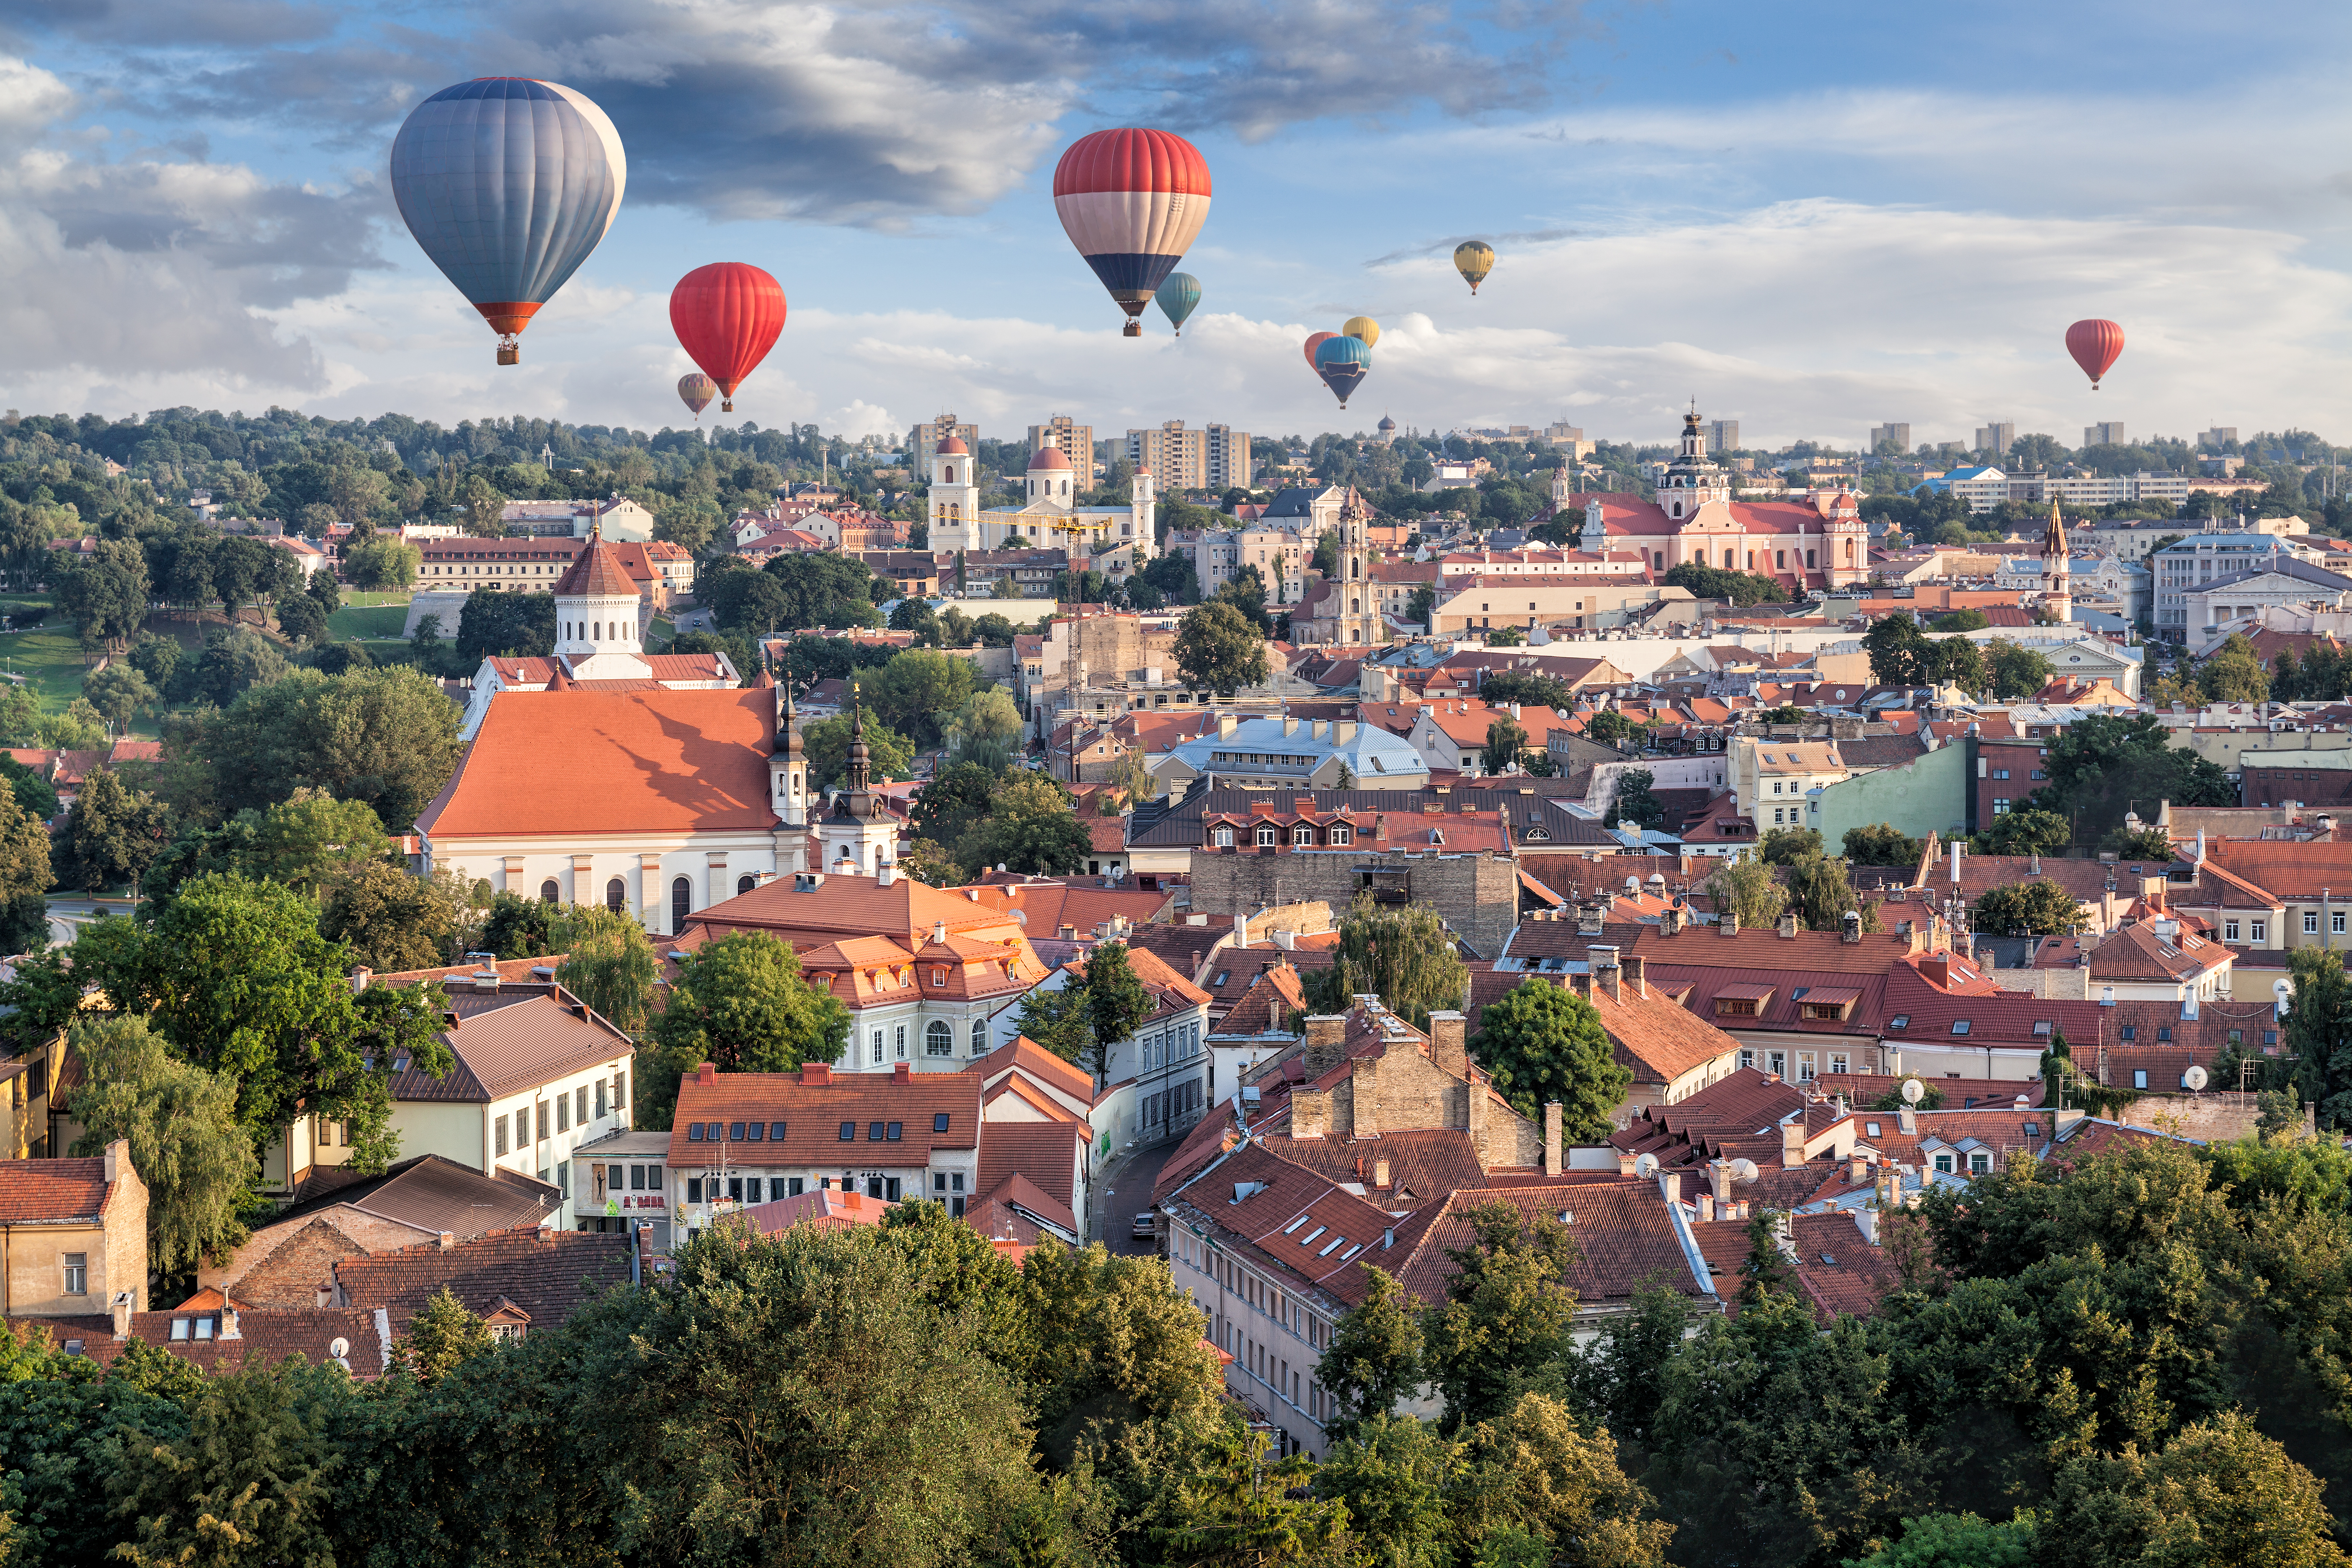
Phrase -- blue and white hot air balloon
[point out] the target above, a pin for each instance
(507, 184)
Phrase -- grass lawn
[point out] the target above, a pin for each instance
(51, 658)
(379, 620)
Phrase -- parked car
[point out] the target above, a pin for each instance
(1147, 1227)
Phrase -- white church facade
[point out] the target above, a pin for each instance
(1049, 507)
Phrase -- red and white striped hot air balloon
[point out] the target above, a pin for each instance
(1132, 201)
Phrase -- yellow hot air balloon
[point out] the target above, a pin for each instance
(1364, 330)
(1473, 259)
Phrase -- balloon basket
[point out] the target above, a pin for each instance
(509, 353)
(1132, 330)
(726, 407)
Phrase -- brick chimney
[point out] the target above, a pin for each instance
(123, 1304)
(1857, 1168)
(902, 1073)
(448, 1239)
(1718, 1177)
(1792, 1143)
(815, 1075)
(706, 1073)
(1788, 925)
(1728, 925)
(1381, 1174)
(1670, 1185)
(1326, 1043)
(1706, 1206)
(1310, 1112)
(229, 1329)
(1604, 969)
(1551, 1137)
(1449, 1043)
(1625, 1158)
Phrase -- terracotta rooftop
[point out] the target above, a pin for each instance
(548, 1274)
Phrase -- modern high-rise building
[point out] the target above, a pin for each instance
(1562, 430)
(926, 439)
(1216, 458)
(1898, 433)
(1723, 435)
(2221, 435)
(1997, 438)
(1073, 440)
(2106, 432)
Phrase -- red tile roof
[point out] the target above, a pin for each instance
(33, 1192)
(263, 1334)
(1839, 1272)
(813, 1105)
(597, 571)
(1625, 1240)
(547, 1273)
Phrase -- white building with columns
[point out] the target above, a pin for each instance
(656, 800)
(1049, 497)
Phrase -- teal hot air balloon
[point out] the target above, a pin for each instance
(1342, 363)
(1177, 299)
(507, 184)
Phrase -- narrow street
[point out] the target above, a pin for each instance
(1126, 1192)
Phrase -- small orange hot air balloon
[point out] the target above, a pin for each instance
(1316, 341)
(2094, 345)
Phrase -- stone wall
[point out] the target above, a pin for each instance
(1476, 895)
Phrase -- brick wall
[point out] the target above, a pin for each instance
(290, 1275)
(1476, 895)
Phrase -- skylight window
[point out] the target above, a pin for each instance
(1309, 1239)
(1900, 1021)
(1292, 1227)
(1332, 1245)
(1959, 1025)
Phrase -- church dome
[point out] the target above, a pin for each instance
(596, 572)
(952, 446)
(1051, 457)
(1386, 423)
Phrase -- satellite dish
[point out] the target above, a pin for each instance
(1646, 1166)
(2282, 989)
(2194, 1078)
(1743, 1170)
(339, 1347)
(1914, 1091)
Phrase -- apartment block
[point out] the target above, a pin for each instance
(2213, 440)
(1215, 457)
(1723, 435)
(1997, 438)
(1898, 433)
(1073, 440)
(2107, 432)
(1227, 455)
(925, 439)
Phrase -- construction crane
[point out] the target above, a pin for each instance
(1076, 526)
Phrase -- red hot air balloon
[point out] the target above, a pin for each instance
(1132, 201)
(727, 316)
(2094, 345)
(1316, 341)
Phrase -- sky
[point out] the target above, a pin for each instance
(1811, 217)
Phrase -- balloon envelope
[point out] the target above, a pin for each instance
(1177, 298)
(1316, 341)
(727, 316)
(2094, 345)
(1132, 201)
(1473, 259)
(696, 391)
(1364, 330)
(507, 184)
(1341, 361)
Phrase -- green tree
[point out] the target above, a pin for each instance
(739, 1003)
(1105, 1338)
(441, 1338)
(2014, 672)
(389, 921)
(1960, 621)
(386, 736)
(958, 797)
(1787, 845)
(1959, 662)
(495, 623)
(252, 1481)
(1544, 1042)
(300, 618)
(484, 507)
(1744, 889)
(236, 659)
(1536, 1470)
(1507, 1310)
(1395, 1474)
(985, 730)
(1958, 1541)
(2038, 908)
(1116, 1003)
(1374, 1357)
(1819, 890)
(1742, 588)
(2028, 832)
(33, 792)
(2219, 1495)
(1218, 648)
(825, 744)
(186, 1143)
(380, 565)
(2100, 766)
(119, 692)
(1402, 953)
(1898, 652)
(2147, 843)
(1636, 801)
(823, 588)
(608, 963)
(1884, 844)
(1060, 1021)
(1765, 1271)
(918, 690)
(105, 594)
(111, 836)
(1505, 744)
(2233, 673)
(1249, 1513)
(1031, 826)
(2318, 1037)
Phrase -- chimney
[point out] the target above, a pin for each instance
(448, 1239)
(815, 1075)
(1326, 1043)
(1625, 1158)
(1857, 1168)
(1792, 1143)
(229, 1329)
(1670, 1185)
(1631, 963)
(1728, 925)
(1381, 1174)
(1449, 1036)
(940, 931)
(1551, 1137)
(1718, 1177)
(1788, 925)
(1850, 926)
(1606, 975)
(123, 1304)
(361, 975)
(1310, 1113)
(1671, 922)
(901, 1073)
(1706, 1206)
(118, 1160)
(706, 1073)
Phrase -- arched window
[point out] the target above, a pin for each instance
(599, 626)
(617, 895)
(681, 900)
(1303, 834)
(548, 893)
(1849, 551)
(1340, 833)
(1266, 836)
(1726, 560)
(939, 1040)
(950, 479)
(746, 883)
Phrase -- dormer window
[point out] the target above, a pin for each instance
(1222, 839)
(1302, 836)
(1340, 834)
(1267, 835)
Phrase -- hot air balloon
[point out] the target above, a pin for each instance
(2094, 345)
(507, 184)
(1341, 361)
(727, 316)
(1473, 259)
(1132, 201)
(696, 391)
(1177, 299)
(1316, 341)
(1364, 330)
